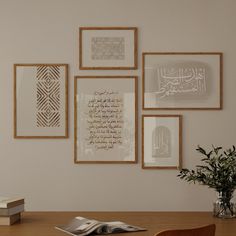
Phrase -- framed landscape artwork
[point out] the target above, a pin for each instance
(105, 119)
(161, 141)
(182, 80)
(40, 101)
(107, 48)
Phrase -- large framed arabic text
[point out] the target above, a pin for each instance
(182, 80)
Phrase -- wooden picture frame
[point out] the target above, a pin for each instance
(161, 141)
(40, 101)
(108, 48)
(105, 119)
(182, 80)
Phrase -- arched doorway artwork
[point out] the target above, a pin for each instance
(161, 142)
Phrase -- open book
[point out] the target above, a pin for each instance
(82, 226)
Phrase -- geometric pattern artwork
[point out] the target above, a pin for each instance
(48, 96)
(40, 101)
(108, 48)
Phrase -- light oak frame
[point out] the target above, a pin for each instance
(15, 102)
(76, 160)
(82, 67)
(220, 54)
(180, 142)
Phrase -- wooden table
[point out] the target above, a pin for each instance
(43, 223)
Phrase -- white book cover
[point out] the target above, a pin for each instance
(5, 201)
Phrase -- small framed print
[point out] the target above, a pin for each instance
(161, 141)
(40, 101)
(108, 48)
(105, 119)
(182, 80)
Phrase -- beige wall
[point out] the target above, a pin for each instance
(46, 31)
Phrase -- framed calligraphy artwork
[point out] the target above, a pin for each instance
(161, 141)
(108, 48)
(40, 101)
(182, 81)
(105, 119)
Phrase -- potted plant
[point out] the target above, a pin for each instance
(218, 171)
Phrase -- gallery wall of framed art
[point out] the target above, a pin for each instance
(175, 81)
(106, 106)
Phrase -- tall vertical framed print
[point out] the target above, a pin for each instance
(161, 141)
(105, 119)
(40, 101)
(108, 48)
(185, 80)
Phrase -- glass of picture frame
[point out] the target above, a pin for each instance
(108, 48)
(105, 119)
(161, 141)
(41, 101)
(182, 80)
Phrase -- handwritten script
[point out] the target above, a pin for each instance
(105, 120)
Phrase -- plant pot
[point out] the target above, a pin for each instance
(223, 206)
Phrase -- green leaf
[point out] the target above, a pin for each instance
(218, 169)
(201, 150)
